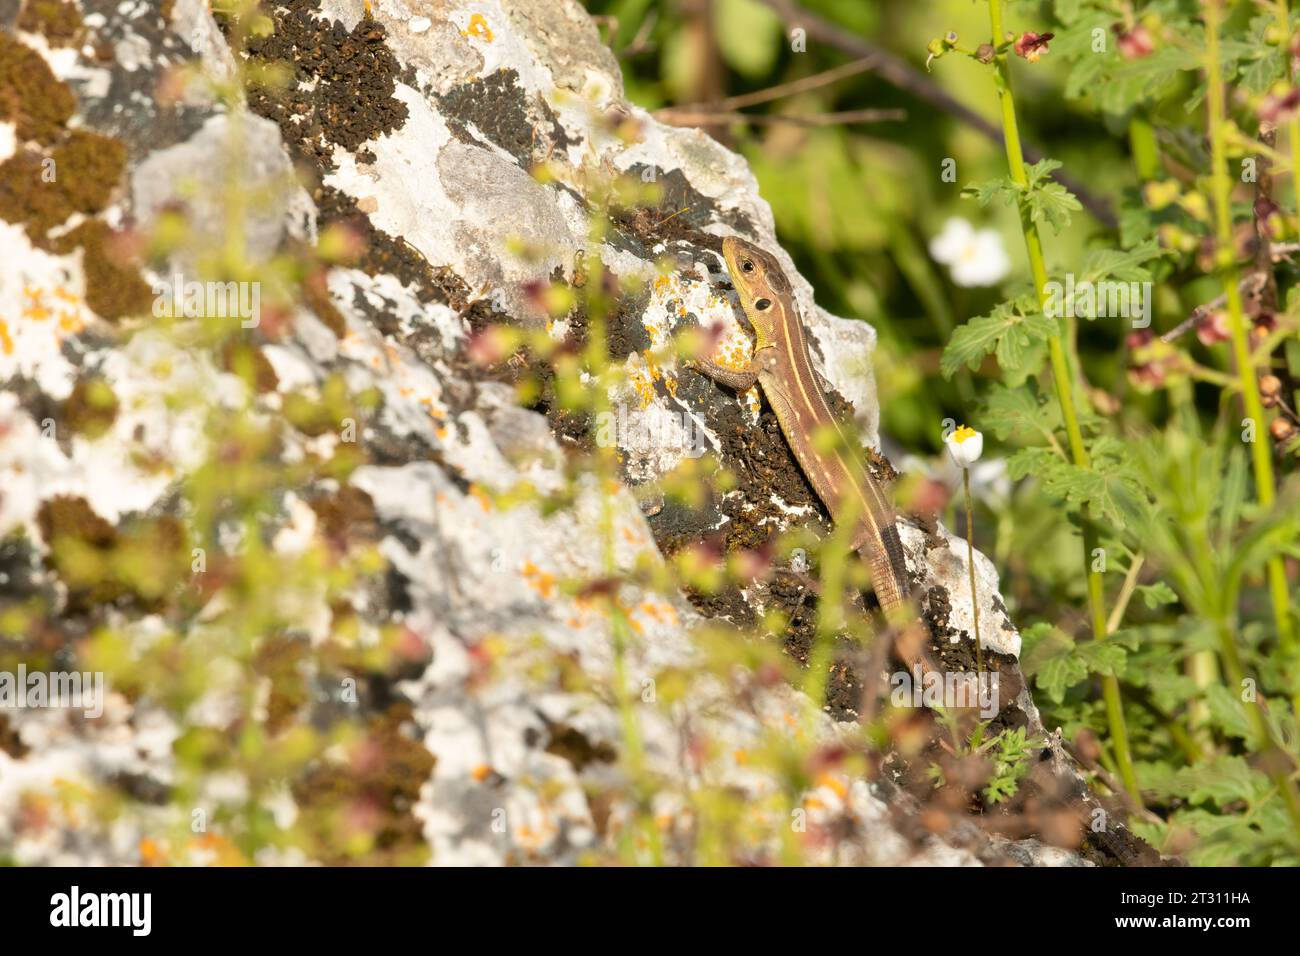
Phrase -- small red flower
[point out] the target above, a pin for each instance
(1032, 45)
(1279, 108)
(1213, 329)
(1134, 44)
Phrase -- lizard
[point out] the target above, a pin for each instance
(782, 367)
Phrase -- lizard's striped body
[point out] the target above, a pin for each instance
(782, 366)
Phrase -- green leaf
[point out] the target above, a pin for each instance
(1226, 780)
(1227, 712)
(1049, 202)
(1118, 498)
(1035, 460)
(1017, 411)
(991, 189)
(1102, 657)
(1010, 331)
(1259, 76)
(1124, 265)
(1157, 594)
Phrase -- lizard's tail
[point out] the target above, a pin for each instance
(888, 569)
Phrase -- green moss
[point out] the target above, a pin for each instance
(30, 95)
(81, 544)
(82, 171)
(347, 515)
(88, 167)
(102, 565)
(27, 200)
(92, 407)
(57, 20)
(114, 287)
(281, 659)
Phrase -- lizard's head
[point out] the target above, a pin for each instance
(758, 279)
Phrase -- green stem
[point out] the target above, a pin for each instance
(970, 564)
(1260, 449)
(1283, 14)
(1065, 397)
(1142, 141)
(620, 627)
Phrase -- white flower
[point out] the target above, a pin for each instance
(975, 257)
(965, 445)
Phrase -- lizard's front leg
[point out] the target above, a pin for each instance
(739, 379)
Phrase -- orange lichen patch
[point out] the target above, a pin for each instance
(478, 27)
(35, 812)
(223, 852)
(152, 853)
(833, 783)
(481, 496)
(34, 328)
(657, 612)
(481, 772)
(540, 581)
(740, 756)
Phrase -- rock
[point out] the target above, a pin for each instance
(482, 682)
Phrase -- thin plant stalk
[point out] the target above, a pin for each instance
(1282, 12)
(1065, 397)
(970, 564)
(1216, 100)
(1260, 449)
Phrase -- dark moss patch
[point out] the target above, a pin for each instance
(41, 190)
(280, 659)
(88, 167)
(678, 220)
(384, 254)
(30, 95)
(498, 108)
(91, 408)
(114, 286)
(71, 528)
(10, 742)
(346, 515)
(378, 788)
(101, 565)
(352, 74)
(59, 21)
(574, 746)
(316, 294)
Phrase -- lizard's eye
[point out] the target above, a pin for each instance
(763, 305)
(747, 266)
